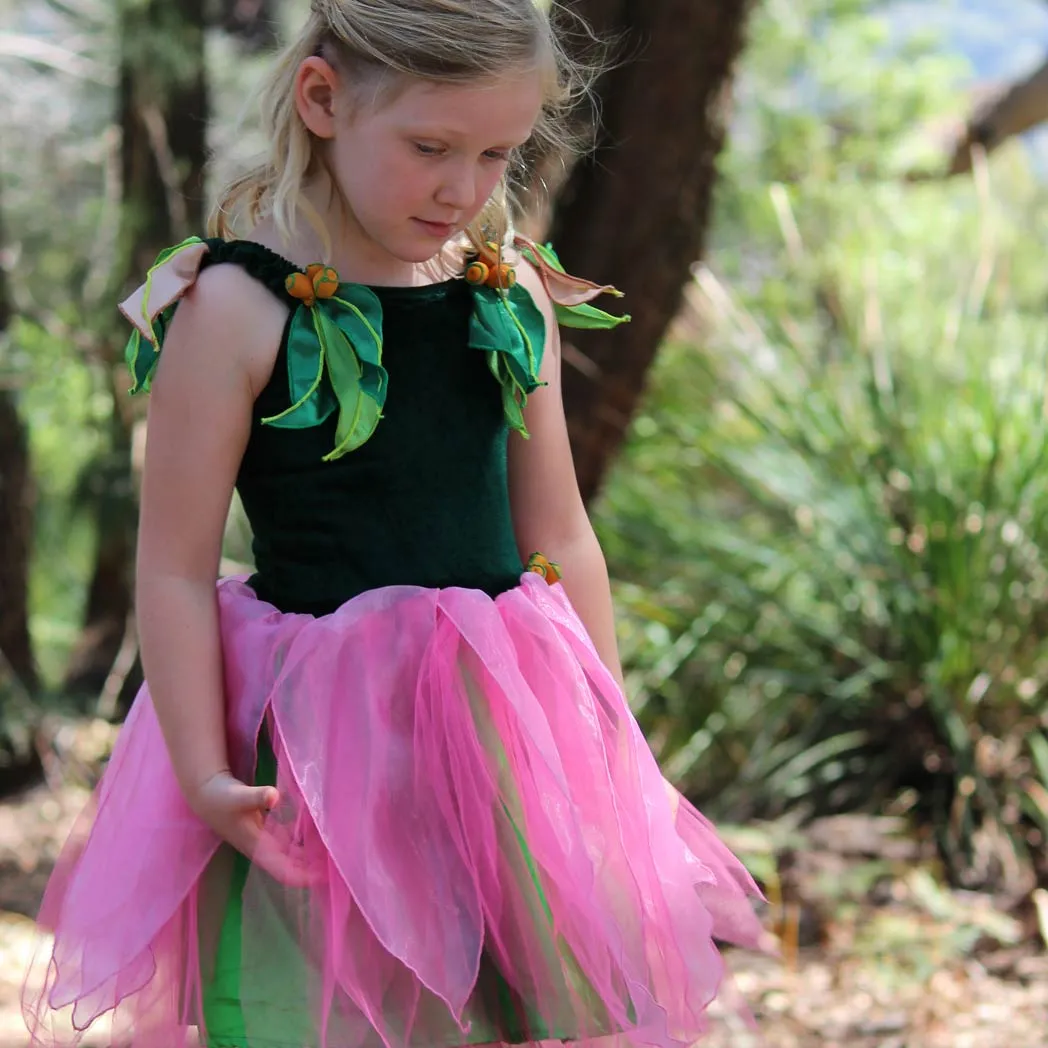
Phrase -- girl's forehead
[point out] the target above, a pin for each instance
(508, 104)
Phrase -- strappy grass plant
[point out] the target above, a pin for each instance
(832, 526)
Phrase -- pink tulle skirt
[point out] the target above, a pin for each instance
(482, 819)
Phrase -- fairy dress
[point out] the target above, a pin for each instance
(492, 852)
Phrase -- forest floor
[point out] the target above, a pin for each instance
(874, 952)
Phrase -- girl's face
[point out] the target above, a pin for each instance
(417, 169)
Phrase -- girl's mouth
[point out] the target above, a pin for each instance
(436, 229)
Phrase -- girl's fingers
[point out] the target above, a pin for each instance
(246, 798)
(283, 866)
(240, 819)
(262, 849)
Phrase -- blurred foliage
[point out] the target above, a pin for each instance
(831, 521)
(60, 196)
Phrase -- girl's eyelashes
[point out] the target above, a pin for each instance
(432, 150)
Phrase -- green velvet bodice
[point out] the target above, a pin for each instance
(423, 502)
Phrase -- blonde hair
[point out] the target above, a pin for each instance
(379, 43)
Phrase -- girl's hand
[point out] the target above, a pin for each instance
(236, 812)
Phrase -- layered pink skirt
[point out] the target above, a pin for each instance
(464, 782)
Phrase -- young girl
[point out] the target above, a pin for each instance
(387, 790)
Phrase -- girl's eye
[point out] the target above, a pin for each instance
(498, 156)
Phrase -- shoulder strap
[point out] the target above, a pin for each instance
(334, 339)
(266, 266)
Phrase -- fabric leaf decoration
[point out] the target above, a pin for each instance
(340, 337)
(587, 317)
(510, 328)
(570, 295)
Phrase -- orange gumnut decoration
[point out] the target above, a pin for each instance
(504, 276)
(488, 270)
(477, 273)
(548, 569)
(301, 287)
(325, 283)
(318, 281)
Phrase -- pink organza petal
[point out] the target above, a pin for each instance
(359, 741)
(160, 844)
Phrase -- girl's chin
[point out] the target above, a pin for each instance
(427, 250)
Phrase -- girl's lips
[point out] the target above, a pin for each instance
(436, 229)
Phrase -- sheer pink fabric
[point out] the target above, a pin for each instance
(463, 778)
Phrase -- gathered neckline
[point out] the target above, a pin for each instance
(437, 289)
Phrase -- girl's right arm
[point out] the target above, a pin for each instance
(218, 354)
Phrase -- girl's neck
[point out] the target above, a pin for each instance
(354, 257)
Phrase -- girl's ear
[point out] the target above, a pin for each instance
(316, 87)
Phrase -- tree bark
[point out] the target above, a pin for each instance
(19, 682)
(252, 22)
(16, 528)
(15, 541)
(109, 593)
(635, 213)
(163, 108)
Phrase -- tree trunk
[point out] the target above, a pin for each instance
(163, 108)
(252, 22)
(163, 113)
(635, 213)
(107, 489)
(19, 682)
(15, 541)
(16, 529)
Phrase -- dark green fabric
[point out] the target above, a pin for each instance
(423, 502)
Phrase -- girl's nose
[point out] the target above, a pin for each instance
(458, 190)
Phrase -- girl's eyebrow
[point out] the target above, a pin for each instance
(436, 126)
(458, 134)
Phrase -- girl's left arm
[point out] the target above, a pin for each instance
(549, 516)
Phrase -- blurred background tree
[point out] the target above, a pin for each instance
(15, 526)
(161, 113)
(635, 211)
(1001, 112)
